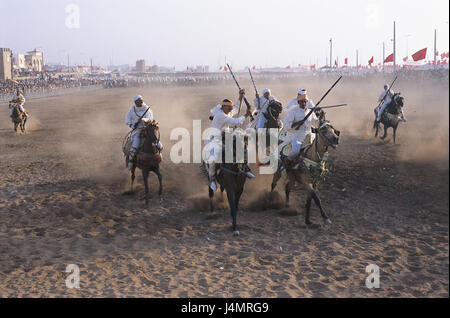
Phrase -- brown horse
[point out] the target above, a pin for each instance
(148, 157)
(19, 118)
(312, 168)
(231, 178)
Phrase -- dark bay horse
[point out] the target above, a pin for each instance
(312, 168)
(18, 117)
(391, 116)
(272, 116)
(231, 178)
(148, 157)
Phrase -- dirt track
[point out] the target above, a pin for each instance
(62, 202)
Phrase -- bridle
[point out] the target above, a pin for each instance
(158, 137)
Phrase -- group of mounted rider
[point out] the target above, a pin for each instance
(304, 138)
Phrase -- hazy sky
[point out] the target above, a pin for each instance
(194, 32)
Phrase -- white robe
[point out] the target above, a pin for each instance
(297, 114)
(132, 118)
(220, 122)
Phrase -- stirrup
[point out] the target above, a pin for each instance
(130, 165)
(250, 175)
(213, 185)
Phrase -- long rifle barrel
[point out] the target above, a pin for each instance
(333, 106)
(239, 87)
(256, 91)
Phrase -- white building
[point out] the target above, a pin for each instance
(34, 60)
(19, 61)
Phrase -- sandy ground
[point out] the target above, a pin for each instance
(62, 202)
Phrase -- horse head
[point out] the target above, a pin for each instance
(329, 134)
(275, 108)
(151, 131)
(398, 99)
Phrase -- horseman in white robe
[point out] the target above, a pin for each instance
(135, 122)
(223, 120)
(385, 96)
(294, 116)
(261, 103)
(18, 99)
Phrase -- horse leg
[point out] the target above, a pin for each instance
(232, 204)
(238, 196)
(385, 132)
(287, 190)
(395, 131)
(133, 176)
(145, 174)
(275, 179)
(326, 219)
(308, 209)
(158, 173)
(211, 196)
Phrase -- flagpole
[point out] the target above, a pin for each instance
(331, 53)
(394, 49)
(434, 48)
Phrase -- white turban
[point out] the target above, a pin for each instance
(137, 97)
(301, 91)
(386, 85)
(266, 90)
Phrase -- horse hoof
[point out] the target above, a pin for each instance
(327, 222)
(236, 233)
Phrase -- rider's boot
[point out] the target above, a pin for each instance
(131, 158)
(212, 176)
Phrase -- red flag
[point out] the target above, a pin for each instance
(447, 55)
(225, 69)
(313, 67)
(345, 61)
(420, 55)
(220, 68)
(438, 62)
(444, 62)
(288, 67)
(442, 56)
(371, 61)
(405, 59)
(437, 53)
(390, 58)
(254, 67)
(335, 63)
